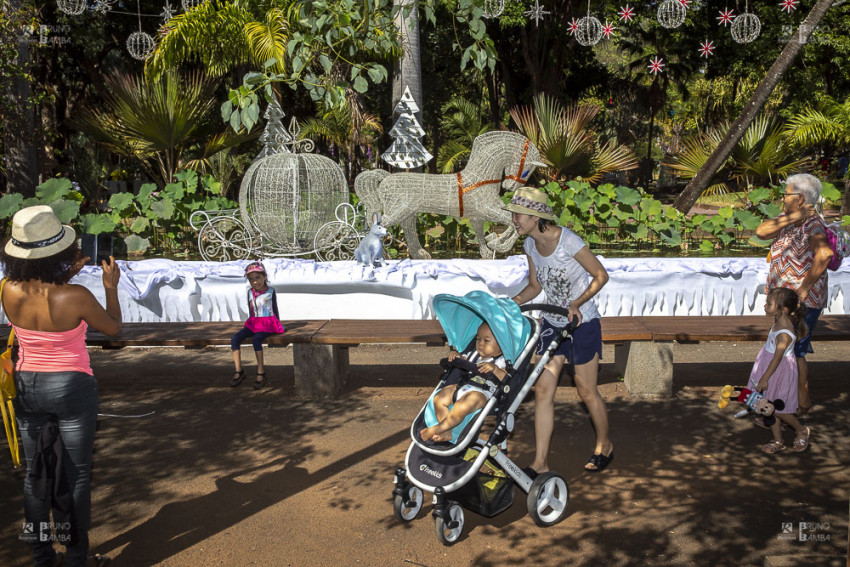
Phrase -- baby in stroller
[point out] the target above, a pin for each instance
(456, 401)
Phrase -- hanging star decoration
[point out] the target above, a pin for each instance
(167, 12)
(536, 13)
(725, 17)
(608, 30)
(626, 13)
(706, 48)
(102, 6)
(572, 27)
(656, 65)
(788, 5)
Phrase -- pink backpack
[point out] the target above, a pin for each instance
(839, 241)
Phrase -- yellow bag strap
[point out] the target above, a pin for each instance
(6, 408)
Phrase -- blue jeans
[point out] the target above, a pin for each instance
(69, 398)
(257, 338)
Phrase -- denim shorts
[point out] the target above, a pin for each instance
(587, 341)
(804, 346)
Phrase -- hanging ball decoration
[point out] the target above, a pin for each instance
(71, 7)
(189, 4)
(671, 14)
(746, 28)
(140, 45)
(493, 8)
(589, 31)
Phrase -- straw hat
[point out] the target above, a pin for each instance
(531, 201)
(37, 233)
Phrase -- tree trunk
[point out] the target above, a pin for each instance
(700, 181)
(21, 157)
(407, 71)
(845, 204)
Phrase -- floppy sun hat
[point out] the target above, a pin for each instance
(255, 267)
(531, 201)
(37, 233)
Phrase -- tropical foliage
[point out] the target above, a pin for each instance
(566, 141)
(462, 122)
(764, 156)
(165, 125)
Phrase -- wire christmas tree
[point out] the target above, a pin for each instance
(275, 137)
(406, 151)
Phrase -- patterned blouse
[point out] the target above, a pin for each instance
(791, 259)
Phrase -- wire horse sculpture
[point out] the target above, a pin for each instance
(497, 159)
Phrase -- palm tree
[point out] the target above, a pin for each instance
(700, 181)
(762, 156)
(221, 35)
(567, 143)
(347, 127)
(164, 125)
(829, 123)
(463, 122)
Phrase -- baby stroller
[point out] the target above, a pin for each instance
(452, 471)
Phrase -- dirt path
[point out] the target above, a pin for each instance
(234, 477)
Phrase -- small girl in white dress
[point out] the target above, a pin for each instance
(775, 370)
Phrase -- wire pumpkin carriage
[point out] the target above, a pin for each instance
(290, 204)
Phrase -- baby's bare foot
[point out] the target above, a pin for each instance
(446, 436)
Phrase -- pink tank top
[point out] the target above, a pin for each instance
(44, 351)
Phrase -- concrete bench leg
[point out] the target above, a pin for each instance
(646, 366)
(320, 370)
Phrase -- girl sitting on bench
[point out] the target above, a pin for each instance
(263, 322)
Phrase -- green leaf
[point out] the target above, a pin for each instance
(770, 210)
(706, 246)
(760, 194)
(725, 212)
(628, 196)
(210, 184)
(435, 231)
(122, 201)
(163, 209)
(145, 192)
(226, 110)
(53, 189)
(136, 244)
(174, 191)
(10, 203)
(360, 85)
(235, 120)
(67, 211)
(189, 179)
(139, 225)
(325, 62)
(252, 79)
(269, 63)
(97, 224)
(829, 192)
(747, 219)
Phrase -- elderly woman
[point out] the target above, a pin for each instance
(57, 401)
(799, 256)
(560, 264)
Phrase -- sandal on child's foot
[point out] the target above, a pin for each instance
(801, 440)
(238, 377)
(773, 447)
(260, 382)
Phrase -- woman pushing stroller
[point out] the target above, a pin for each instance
(560, 264)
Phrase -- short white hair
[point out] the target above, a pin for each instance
(807, 185)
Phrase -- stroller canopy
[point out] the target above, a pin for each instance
(460, 318)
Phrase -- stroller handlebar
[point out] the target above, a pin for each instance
(556, 309)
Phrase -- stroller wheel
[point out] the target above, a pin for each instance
(406, 507)
(548, 498)
(449, 529)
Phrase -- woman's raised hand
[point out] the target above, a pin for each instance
(111, 273)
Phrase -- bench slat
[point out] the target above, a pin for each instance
(360, 331)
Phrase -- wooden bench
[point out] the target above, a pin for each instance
(643, 352)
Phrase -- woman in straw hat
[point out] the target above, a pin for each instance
(54, 381)
(560, 264)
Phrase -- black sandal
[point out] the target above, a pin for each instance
(238, 377)
(599, 461)
(260, 383)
